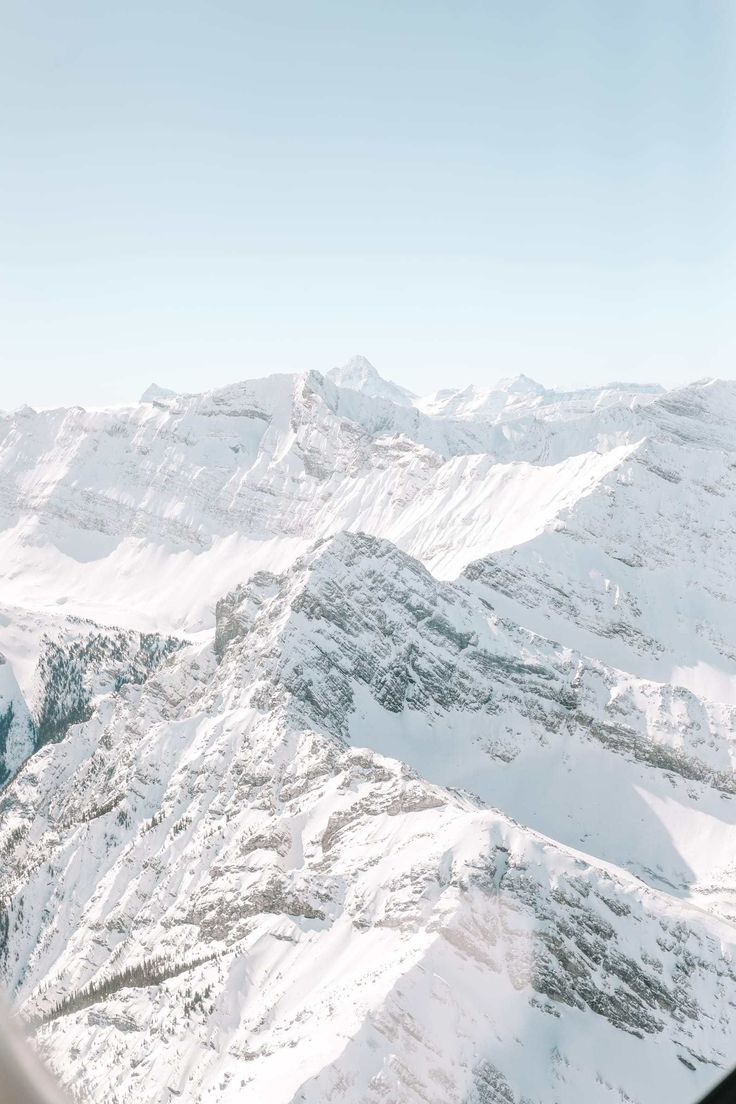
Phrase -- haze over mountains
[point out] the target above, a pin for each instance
(360, 746)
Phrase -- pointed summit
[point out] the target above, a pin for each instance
(358, 374)
(156, 394)
(519, 385)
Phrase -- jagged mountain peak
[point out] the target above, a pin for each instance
(357, 369)
(349, 545)
(358, 374)
(519, 385)
(156, 394)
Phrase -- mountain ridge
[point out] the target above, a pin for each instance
(390, 745)
(193, 752)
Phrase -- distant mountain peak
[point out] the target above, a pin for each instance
(154, 394)
(359, 375)
(358, 367)
(519, 385)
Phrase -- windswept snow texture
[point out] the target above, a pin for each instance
(359, 747)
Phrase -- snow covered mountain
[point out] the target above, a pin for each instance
(360, 375)
(102, 510)
(362, 748)
(518, 396)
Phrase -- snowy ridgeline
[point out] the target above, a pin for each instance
(360, 747)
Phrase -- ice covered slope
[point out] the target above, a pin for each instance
(211, 893)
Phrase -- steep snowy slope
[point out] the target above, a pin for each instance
(641, 571)
(145, 516)
(260, 911)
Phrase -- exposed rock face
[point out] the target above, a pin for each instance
(440, 806)
(16, 723)
(78, 664)
(73, 672)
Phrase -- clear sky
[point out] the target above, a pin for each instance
(203, 190)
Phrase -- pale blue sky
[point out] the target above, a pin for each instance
(195, 192)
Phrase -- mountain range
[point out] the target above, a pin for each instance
(359, 746)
